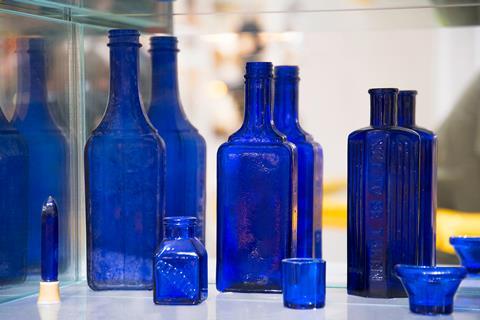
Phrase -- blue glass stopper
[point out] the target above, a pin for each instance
(49, 241)
(303, 283)
(468, 250)
(430, 289)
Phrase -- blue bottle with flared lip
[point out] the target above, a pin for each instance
(428, 175)
(185, 147)
(310, 162)
(256, 198)
(383, 200)
(124, 178)
(180, 264)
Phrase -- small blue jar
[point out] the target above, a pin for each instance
(180, 265)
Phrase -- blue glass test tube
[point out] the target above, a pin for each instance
(49, 241)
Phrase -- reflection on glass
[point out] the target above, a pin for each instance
(13, 207)
(47, 145)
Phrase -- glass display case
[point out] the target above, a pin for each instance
(342, 48)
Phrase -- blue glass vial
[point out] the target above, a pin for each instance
(310, 162)
(180, 264)
(47, 145)
(13, 207)
(185, 147)
(124, 178)
(428, 175)
(383, 196)
(303, 283)
(256, 198)
(49, 241)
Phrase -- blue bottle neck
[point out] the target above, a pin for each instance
(286, 104)
(179, 231)
(406, 108)
(383, 107)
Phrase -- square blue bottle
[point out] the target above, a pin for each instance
(256, 198)
(180, 264)
(310, 162)
(383, 200)
(124, 180)
(428, 175)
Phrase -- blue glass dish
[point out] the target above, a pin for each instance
(256, 195)
(49, 238)
(303, 283)
(185, 147)
(428, 175)
(47, 146)
(180, 265)
(383, 200)
(310, 162)
(430, 289)
(468, 250)
(13, 207)
(124, 179)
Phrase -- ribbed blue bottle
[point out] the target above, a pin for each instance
(13, 207)
(48, 149)
(383, 200)
(124, 179)
(180, 264)
(256, 195)
(428, 175)
(49, 241)
(310, 162)
(185, 147)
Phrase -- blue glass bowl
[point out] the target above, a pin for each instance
(468, 250)
(303, 283)
(430, 289)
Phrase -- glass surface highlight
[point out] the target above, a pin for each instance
(468, 250)
(49, 253)
(303, 283)
(430, 289)
(256, 195)
(180, 265)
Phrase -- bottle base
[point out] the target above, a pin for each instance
(431, 310)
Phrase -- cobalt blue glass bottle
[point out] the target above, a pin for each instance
(256, 181)
(185, 147)
(49, 241)
(13, 207)
(428, 175)
(47, 145)
(124, 178)
(310, 162)
(383, 196)
(180, 264)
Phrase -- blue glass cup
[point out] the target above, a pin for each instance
(430, 289)
(468, 250)
(303, 282)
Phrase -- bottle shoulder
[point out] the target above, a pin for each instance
(238, 146)
(424, 133)
(368, 132)
(181, 247)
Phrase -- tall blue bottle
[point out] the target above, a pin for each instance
(428, 175)
(256, 198)
(13, 207)
(383, 200)
(124, 178)
(48, 150)
(310, 162)
(185, 147)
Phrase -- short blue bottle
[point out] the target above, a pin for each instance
(428, 175)
(185, 147)
(13, 207)
(310, 162)
(383, 200)
(256, 198)
(49, 241)
(180, 264)
(47, 145)
(124, 179)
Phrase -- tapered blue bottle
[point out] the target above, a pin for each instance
(48, 150)
(49, 241)
(428, 175)
(13, 207)
(256, 198)
(124, 179)
(185, 147)
(383, 200)
(310, 162)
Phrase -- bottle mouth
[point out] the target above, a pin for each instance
(258, 69)
(180, 221)
(375, 91)
(407, 93)
(124, 37)
(29, 44)
(290, 72)
(163, 43)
